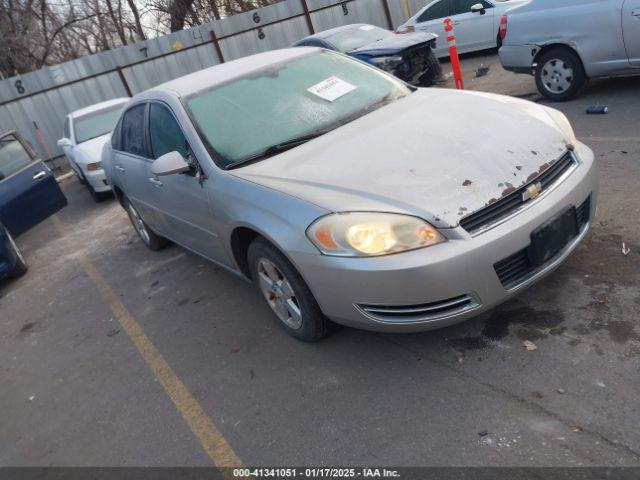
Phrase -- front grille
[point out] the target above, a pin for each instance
(507, 205)
(515, 269)
(427, 311)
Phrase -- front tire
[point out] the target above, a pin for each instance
(150, 239)
(286, 292)
(560, 75)
(97, 196)
(433, 75)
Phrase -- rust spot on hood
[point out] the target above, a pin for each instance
(510, 189)
(466, 183)
(543, 167)
(493, 200)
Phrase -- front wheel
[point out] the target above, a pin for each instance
(433, 71)
(97, 196)
(20, 267)
(151, 240)
(560, 75)
(286, 292)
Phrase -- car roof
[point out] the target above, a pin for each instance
(98, 106)
(332, 31)
(222, 73)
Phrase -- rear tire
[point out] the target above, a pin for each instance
(20, 267)
(286, 292)
(560, 75)
(150, 239)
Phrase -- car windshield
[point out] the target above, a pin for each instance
(95, 124)
(290, 100)
(347, 40)
(13, 156)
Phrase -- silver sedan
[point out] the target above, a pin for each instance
(348, 196)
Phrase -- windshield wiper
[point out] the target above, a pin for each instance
(277, 148)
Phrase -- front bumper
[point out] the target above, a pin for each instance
(518, 58)
(351, 290)
(98, 180)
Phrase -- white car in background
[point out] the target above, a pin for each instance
(476, 23)
(85, 133)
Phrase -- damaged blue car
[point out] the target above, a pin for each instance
(410, 57)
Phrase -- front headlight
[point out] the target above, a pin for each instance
(563, 124)
(387, 63)
(363, 234)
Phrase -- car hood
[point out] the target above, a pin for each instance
(395, 44)
(91, 150)
(439, 154)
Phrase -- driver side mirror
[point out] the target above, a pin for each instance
(170, 164)
(64, 142)
(478, 8)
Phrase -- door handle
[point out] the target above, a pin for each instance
(456, 22)
(119, 168)
(636, 12)
(40, 175)
(156, 182)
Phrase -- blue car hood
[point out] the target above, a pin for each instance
(394, 44)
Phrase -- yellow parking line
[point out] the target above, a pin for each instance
(610, 139)
(212, 441)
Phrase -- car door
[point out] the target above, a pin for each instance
(631, 30)
(182, 198)
(132, 165)
(473, 30)
(432, 20)
(29, 192)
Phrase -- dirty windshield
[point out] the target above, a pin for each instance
(291, 100)
(96, 124)
(347, 40)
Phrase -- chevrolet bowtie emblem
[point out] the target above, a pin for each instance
(532, 192)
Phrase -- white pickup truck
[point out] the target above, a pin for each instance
(564, 43)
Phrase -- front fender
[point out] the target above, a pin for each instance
(279, 217)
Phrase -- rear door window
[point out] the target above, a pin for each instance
(436, 11)
(133, 131)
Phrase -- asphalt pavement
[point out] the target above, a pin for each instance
(113, 355)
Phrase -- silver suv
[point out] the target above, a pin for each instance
(564, 43)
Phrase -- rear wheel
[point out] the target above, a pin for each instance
(286, 292)
(560, 75)
(20, 267)
(151, 240)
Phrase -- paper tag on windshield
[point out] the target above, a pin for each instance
(367, 27)
(331, 89)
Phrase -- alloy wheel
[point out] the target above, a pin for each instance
(138, 224)
(279, 294)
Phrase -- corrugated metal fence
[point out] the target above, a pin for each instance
(41, 99)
